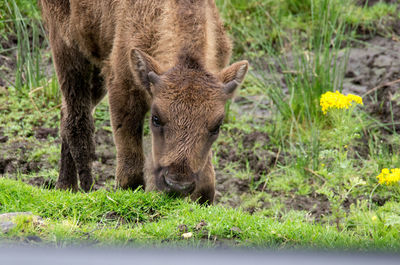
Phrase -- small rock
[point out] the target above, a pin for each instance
(9, 216)
(379, 72)
(236, 230)
(6, 226)
(183, 228)
(33, 239)
(354, 89)
(187, 235)
(3, 139)
(7, 220)
(200, 225)
(383, 61)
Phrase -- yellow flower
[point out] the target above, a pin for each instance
(355, 98)
(389, 177)
(337, 100)
(374, 218)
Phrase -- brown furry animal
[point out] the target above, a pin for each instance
(167, 56)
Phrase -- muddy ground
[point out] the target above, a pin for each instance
(373, 71)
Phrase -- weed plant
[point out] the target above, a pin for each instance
(31, 50)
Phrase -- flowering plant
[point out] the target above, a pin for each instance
(340, 119)
(389, 176)
(336, 100)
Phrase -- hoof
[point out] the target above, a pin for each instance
(132, 183)
(66, 186)
(86, 181)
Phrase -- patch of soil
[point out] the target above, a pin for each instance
(14, 158)
(258, 159)
(6, 66)
(380, 201)
(250, 156)
(10, 42)
(373, 72)
(231, 187)
(114, 216)
(374, 2)
(3, 138)
(42, 182)
(105, 164)
(7, 63)
(316, 204)
(43, 133)
(4, 162)
(257, 106)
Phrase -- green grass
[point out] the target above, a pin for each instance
(150, 218)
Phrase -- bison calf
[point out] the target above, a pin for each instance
(166, 56)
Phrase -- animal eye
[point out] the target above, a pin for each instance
(215, 131)
(156, 121)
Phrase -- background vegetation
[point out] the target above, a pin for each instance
(288, 175)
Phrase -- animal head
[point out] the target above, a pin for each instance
(187, 111)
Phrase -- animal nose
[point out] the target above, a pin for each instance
(178, 185)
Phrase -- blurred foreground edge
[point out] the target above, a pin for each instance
(100, 256)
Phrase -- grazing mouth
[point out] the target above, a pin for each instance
(169, 185)
(179, 186)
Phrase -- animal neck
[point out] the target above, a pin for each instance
(186, 30)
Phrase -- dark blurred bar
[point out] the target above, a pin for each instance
(100, 256)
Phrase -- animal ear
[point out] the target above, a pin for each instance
(145, 69)
(233, 76)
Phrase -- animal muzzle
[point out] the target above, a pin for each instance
(176, 183)
(182, 187)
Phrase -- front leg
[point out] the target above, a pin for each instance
(74, 73)
(128, 108)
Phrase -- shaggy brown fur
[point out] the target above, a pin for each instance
(164, 55)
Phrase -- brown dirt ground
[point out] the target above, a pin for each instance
(373, 2)
(374, 72)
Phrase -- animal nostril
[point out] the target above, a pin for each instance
(179, 186)
(169, 181)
